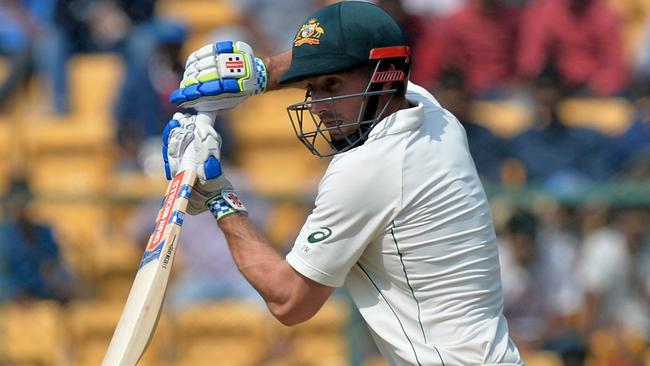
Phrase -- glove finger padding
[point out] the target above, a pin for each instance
(177, 135)
(220, 76)
(179, 139)
(208, 152)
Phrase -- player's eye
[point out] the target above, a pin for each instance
(332, 83)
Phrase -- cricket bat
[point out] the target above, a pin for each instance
(144, 303)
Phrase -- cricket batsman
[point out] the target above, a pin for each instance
(400, 220)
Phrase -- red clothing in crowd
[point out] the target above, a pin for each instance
(586, 48)
(479, 43)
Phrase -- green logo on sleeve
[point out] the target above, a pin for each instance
(319, 235)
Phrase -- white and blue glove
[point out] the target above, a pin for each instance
(220, 76)
(186, 131)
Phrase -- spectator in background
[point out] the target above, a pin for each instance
(581, 38)
(21, 22)
(479, 39)
(615, 268)
(488, 150)
(35, 268)
(632, 148)
(129, 28)
(549, 146)
(541, 292)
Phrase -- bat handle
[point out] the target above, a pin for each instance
(206, 117)
(187, 161)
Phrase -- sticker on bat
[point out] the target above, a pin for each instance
(150, 255)
(166, 211)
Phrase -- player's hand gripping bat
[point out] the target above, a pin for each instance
(142, 310)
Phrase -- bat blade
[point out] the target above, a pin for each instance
(144, 303)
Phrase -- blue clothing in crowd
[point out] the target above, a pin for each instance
(633, 144)
(28, 260)
(555, 148)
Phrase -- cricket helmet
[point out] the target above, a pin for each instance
(342, 37)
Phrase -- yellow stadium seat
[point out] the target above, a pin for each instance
(68, 133)
(282, 172)
(115, 264)
(92, 323)
(542, 358)
(33, 334)
(79, 226)
(330, 319)
(75, 175)
(263, 120)
(284, 222)
(94, 82)
(228, 352)
(199, 15)
(321, 340)
(503, 118)
(234, 333)
(609, 115)
(4, 68)
(136, 186)
(375, 360)
(6, 147)
(320, 350)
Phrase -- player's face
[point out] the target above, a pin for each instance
(340, 116)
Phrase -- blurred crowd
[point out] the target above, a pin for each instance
(539, 54)
(575, 262)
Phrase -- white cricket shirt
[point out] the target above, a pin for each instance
(403, 222)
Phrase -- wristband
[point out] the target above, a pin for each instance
(225, 203)
(262, 79)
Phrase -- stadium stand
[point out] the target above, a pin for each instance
(6, 147)
(201, 16)
(71, 162)
(234, 333)
(611, 116)
(324, 335)
(266, 141)
(91, 324)
(543, 358)
(504, 118)
(34, 334)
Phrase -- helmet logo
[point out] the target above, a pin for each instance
(309, 33)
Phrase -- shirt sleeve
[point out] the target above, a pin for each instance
(357, 199)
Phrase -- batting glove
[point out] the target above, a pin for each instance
(220, 76)
(184, 132)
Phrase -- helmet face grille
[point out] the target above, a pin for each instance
(318, 138)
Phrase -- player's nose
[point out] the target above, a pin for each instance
(321, 107)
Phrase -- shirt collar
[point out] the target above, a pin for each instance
(400, 121)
